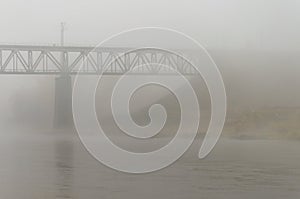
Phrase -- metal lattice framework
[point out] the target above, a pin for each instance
(20, 59)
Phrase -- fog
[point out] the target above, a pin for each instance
(254, 43)
(253, 25)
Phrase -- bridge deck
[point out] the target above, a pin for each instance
(54, 60)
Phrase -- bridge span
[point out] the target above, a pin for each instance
(21, 59)
(65, 61)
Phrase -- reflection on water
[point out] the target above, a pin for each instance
(55, 165)
(64, 165)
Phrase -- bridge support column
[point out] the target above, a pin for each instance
(63, 102)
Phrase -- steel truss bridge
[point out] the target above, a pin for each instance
(56, 60)
(64, 61)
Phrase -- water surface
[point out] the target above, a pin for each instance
(56, 165)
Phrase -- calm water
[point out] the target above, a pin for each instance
(56, 165)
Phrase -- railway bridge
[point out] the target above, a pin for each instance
(65, 61)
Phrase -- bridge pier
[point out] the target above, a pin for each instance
(63, 102)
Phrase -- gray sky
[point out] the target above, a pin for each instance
(246, 25)
(268, 24)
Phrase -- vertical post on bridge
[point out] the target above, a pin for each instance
(63, 92)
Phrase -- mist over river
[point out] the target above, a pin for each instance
(255, 46)
(54, 164)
